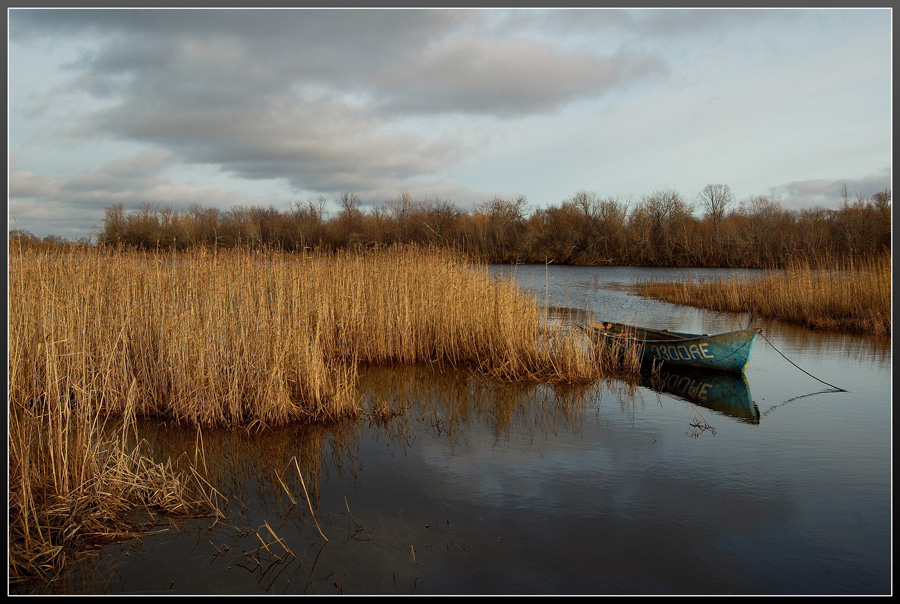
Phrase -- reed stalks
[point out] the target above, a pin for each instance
(221, 339)
(240, 337)
(74, 484)
(853, 296)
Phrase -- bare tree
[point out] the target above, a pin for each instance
(715, 199)
(664, 217)
(349, 220)
(845, 196)
(882, 200)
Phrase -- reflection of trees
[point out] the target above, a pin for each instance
(864, 349)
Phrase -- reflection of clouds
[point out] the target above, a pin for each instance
(577, 511)
(625, 481)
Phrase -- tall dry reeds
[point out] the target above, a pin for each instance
(75, 482)
(238, 337)
(853, 296)
(72, 477)
(231, 338)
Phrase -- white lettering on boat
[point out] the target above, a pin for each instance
(681, 352)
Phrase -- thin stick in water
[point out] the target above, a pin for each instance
(305, 492)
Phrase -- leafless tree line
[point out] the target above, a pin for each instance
(659, 229)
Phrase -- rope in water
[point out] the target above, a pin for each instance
(798, 367)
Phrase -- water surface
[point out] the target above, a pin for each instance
(484, 488)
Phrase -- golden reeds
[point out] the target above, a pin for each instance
(75, 484)
(854, 296)
(230, 338)
(239, 337)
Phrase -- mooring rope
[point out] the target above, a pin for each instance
(798, 367)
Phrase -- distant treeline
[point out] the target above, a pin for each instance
(661, 229)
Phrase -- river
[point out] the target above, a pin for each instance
(484, 488)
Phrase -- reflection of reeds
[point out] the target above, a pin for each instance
(238, 458)
(853, 297)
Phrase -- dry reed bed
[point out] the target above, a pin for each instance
(233, 338)
(74, 485)
(237, 337)
(853, 297)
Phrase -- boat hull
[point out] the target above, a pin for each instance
(728, 351)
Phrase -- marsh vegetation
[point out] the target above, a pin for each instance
(853, 296)
(259, 319)
(101, 338)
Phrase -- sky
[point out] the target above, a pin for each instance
(271, 107)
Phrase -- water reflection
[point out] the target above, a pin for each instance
(856, 348)
(444, 400)
(725, 392)
(272, 480)
(236, 460)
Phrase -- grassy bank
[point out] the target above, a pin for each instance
(230, 339)
(852, 297)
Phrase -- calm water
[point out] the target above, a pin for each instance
(480, 488)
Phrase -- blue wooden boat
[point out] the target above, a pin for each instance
(728, 351)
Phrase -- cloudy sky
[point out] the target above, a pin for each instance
(269, 107)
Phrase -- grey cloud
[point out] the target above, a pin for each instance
(147, 161)
(666, 23)
(71, 206)
(469, 74)
(407, 60)
(305, 143)
(27, 185)
(272, 46)
(309, 95)
(133, 179)
(828, 192)
(372, 26)
(127, 175)
(263, 94)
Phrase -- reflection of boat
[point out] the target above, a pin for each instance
(724, 391)
(725, 351)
